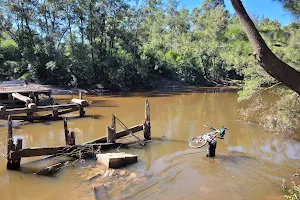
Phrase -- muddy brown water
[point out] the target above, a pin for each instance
(249, 164)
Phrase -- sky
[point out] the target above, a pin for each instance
(258, 8)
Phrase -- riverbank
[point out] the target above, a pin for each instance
(162, 86)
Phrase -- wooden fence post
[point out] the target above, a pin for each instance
(69, 135)
(66, 127)
(211, 148)
(55, 113)
(81, 109)
(10, 142)
(12, 163)
(146, 124)
(30, 116)
(111, 131)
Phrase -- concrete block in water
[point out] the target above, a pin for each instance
(116, 160)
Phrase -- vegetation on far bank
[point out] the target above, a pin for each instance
(118, 44)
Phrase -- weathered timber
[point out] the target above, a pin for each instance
(39, 109)
(10, 143)
(55, 113)
(62, 112)
(100, 192)
(50, 170)
(2, 108)
(61, 150)
(12, 162)
(116, 160)
(32, 106)
(30, 117)
(70, 139)
(23, 98)
(211, 148)
(23, 88)
(111, 131)
(38, 152)
(81, 111)
(80, 102)
(119, 134)
(146, 124)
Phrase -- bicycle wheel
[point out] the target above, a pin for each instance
(197, 142)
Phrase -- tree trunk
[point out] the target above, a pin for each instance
(267, 60)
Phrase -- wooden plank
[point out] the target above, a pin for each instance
(119, 134)
(63, 112)
(38, 109)
(80, 102)
(30, 152)
(51, 169)
(23, 88)
(37, 152)
(21, 97)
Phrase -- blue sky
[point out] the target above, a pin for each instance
(267, 8)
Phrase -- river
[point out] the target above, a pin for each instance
(249, 164)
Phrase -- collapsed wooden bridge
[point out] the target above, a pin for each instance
(15, 151)
(29, 99)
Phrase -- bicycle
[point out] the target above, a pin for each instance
(200, 141)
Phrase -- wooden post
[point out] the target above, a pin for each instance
(81, 111)
(66, 128)
(30, 117)
(32, 96)
(80, 95)
(71, 138)
(55, 114)
(111, 131)
(211, 148)
(19, 146)
(10, 142)
(12, 163)
(113, 123)
(146, 124)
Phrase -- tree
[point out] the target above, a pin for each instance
(266, 58)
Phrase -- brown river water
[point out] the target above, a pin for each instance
(249, 164)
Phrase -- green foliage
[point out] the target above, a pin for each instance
(291, 192)
(135, 44)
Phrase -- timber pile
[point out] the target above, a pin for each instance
(15, 151)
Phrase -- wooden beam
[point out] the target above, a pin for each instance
(80, 102)
(119, 134)
(29, 152)
(38, 109)
(21, 97)
(37, 152)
